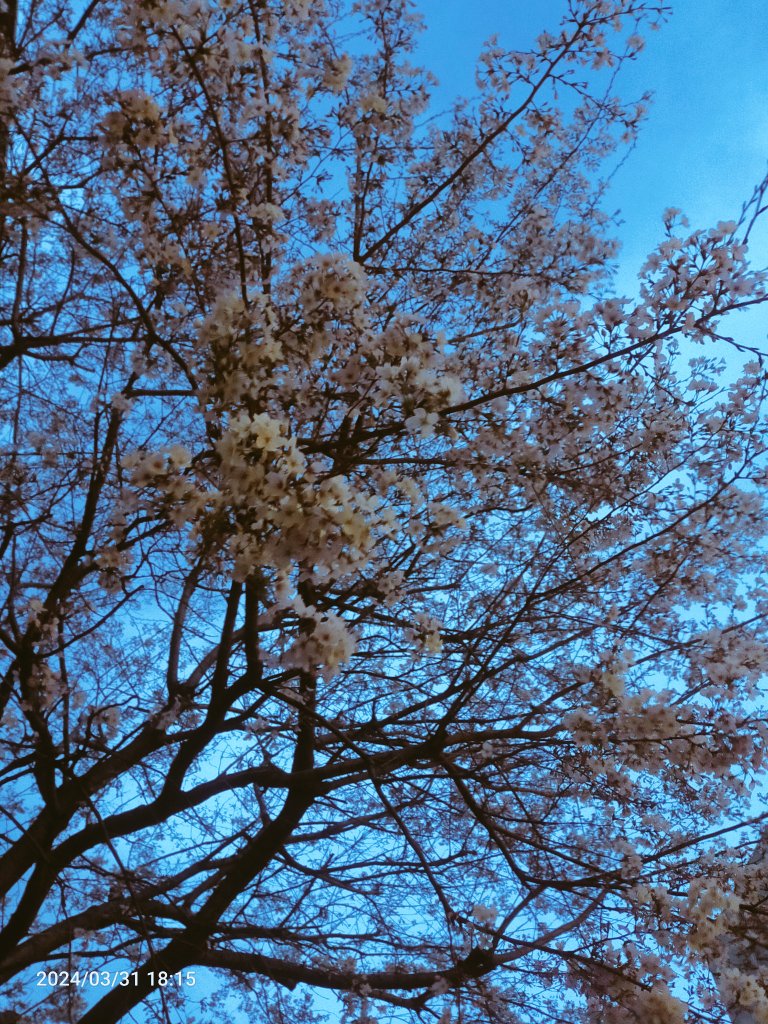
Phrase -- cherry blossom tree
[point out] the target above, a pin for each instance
(383, 597)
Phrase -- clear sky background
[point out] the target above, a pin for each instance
(704, 145)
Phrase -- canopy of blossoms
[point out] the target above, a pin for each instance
(382, 598)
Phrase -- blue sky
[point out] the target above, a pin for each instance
(705, 143)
